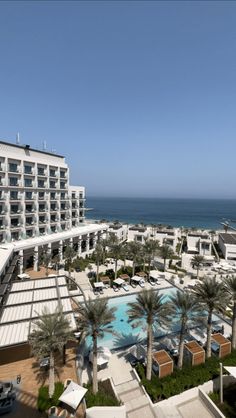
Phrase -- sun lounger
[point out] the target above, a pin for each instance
(133, 285)
(101, 291)
(125, 287)
(115, 288)
(152, 283)
(141, 283)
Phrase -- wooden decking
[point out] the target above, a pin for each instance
(31, 379)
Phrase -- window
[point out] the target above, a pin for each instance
(29, 233)
(52, 173)
(13, 195)
(41, 171)
(63, 207)
(52, 184)
(41, 195)
(40, 183)
(53, 195)
(62, 185)
(53, 218)
(62, 174)
(53, 207)
(13, 181)
(28, 169)
(63, 196)
(29, 221)
(13, 167)
(53, 228)
(14, 209)
(29, 208)
(15, 235)
(41, 208)
(28, 183)
(28, 195)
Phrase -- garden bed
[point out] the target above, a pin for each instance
(228, 408)
(104, 397)
(181, 380)
(44, 402)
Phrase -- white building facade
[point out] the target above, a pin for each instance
(39, 210)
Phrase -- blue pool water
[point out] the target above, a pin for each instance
(125, 334)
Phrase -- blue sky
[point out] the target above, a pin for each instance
(139, 96)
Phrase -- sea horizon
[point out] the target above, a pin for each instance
(177, 212)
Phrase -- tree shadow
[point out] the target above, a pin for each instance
(125, 340)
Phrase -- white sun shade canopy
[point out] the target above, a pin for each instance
(119, 281)
(73, 395)
(231, 370)
(98, 284)
(136, 279)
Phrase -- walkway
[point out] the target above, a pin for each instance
(126, 385)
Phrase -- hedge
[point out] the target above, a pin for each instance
(44, 402)
(104, 397)
(181, 380)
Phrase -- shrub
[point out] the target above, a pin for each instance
(104, 397)
(184, 379)
(44, 402)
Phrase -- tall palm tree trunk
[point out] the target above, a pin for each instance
(209, 327)
(51, 376)
(116, 269)
(234, 327)
(197, 271)
(133, 270)
(149, 268)
(181, 345)
(164, 264)
(149, 352)
(97, 271)
(95, 367)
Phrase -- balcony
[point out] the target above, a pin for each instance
(16, 226)
(2, 167)
(28, 185)
(42, 172)
(29, 172)
(15, 198)
(15, 170)
(29, 210)
(2, 197)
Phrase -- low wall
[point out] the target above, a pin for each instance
(209, 404)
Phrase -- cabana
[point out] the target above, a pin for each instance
(118, 281)
(164, 363)
(124, 277)
(194, 353)
(220, 345)
(142, 274)
(98, 285)
(106, 281)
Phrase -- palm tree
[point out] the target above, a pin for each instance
(51, 333)
(104, 243)
(150, 249)
(69, 255)
(94, 320)
(116, 252)
(184, 308)
(98, 256)
(149, 306)
(212, 295)
(45, 261)
(166, 253)
(230, 283)
(134, 252)
(197, 261)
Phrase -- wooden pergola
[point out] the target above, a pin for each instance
(194, 353)
(164, 362)
(223, 343)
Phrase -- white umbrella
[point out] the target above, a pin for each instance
(98, 284)
(73, 395)
(136, 279)
(118, 281)
(231, 370)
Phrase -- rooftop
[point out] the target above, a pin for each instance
(161, 357)
(220, 339)
(194, 347)
(228, 238)
(28, 147)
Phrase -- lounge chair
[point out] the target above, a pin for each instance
(101, 291)
(141, 283)
(115, 288)
(152, 283)
(96, 292)
(125, 287)
(53, 411)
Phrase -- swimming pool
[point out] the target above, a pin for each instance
(125, 334)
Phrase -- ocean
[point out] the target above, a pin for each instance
(199, 213)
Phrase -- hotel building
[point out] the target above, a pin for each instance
(39, 210)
